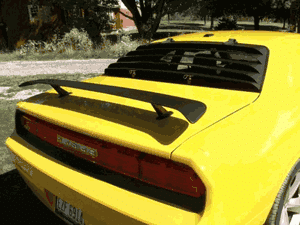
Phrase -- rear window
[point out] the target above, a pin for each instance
(220, 65)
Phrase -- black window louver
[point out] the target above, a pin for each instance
(196, 63)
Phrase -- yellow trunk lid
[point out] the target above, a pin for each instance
(130, 122)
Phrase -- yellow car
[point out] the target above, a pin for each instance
(199, 129)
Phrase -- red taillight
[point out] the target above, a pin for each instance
(29, 123)
(148, 168)
(170, 175)
(119, 159)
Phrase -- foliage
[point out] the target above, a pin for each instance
(123, 45)
(96, 17)
(79, 40)
(76, 44)
(281, 10)
(86, 4)
(75, 39)
(147, 14)
(226, 23)
(214, 9)
(259, 8)
(94, 23)
(172, 7)
(295, 12)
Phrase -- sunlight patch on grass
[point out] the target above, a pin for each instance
(21, 95)
(4, 89)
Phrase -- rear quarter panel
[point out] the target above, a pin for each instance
(244, 159)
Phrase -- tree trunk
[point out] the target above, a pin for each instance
(204, 20)
(146, 30)
(168, 18)
(86, 13)
(256, 22)
(298, 26)
(5, 36)
(211, 22)
(64, 14)
(284, 19)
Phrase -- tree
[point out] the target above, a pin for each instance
(282, 10)
(147, 14)
(258, 9)
(295, 10)
(213, 8)
(216, 8)
(93, 23)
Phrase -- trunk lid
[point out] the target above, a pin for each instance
(132, 123)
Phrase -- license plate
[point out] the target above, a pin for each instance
(69, 212)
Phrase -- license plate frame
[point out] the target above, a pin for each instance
(70, 213)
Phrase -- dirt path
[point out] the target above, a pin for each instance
(24, 68)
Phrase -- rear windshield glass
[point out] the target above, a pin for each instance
(237, 67)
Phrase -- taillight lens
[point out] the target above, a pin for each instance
(152, 169)
(173, 176)
(29, 123)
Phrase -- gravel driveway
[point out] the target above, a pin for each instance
(24, 68)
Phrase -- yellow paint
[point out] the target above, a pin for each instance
(99, 201)
(242, 148)
(121, 124)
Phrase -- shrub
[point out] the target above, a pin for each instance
(30, 47)
(122, 47)
(227, 24)
(76, 44)
(73, 40)
(79, 40)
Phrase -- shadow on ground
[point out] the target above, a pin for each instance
(201, 26)
(20, 205)
(182, 26)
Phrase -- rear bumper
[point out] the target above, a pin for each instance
(99, 201)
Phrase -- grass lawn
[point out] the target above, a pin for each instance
(10, 95)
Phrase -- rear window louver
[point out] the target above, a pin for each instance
(187, 62)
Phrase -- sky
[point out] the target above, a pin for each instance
(122, 5)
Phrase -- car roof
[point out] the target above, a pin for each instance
(265, 38)
(283, 59)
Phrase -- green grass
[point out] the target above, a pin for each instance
(8, 106)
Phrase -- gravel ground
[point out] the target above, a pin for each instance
(24, 68)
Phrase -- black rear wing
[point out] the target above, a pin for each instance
(190, 109)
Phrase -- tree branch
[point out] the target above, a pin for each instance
(159, 5)
(129, 17)
(131, 6)
(142, 7)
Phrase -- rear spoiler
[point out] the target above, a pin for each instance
(190, 109)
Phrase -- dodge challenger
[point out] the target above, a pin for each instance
(200, 128)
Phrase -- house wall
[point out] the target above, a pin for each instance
(15, 16)
(127, 23)
(21, 27)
